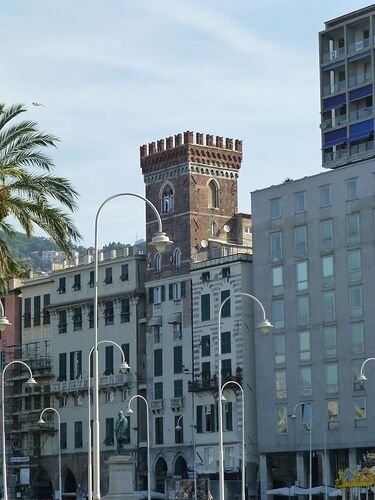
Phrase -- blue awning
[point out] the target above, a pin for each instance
(334, 65)
(361, 92)
(334, 102)
(360, 131)
(357, 57)
(335, 137)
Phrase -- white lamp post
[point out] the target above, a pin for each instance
(31, 381)
(294, 416)
(41, 421)
(264, 326)
(130, 411)
(4, 322)
(222, 400)
(123, 368)
(362, 376)
(160, 241)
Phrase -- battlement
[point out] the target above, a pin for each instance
(182, 148)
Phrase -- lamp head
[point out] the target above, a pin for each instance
(4, 322)
(265, 326)
(293, 416)
(129, 411)
(41, 421)
(362, 377)
(124, 367)
(223, 398)
(178, 427)
(31, 381)
(160, 241)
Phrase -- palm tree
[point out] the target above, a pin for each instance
(27, 195)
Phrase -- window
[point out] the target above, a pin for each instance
(208, 455)
(157, 294)
(177, 359)
(91, 282)
(328, 306)
(91, 316)
(124, 272)
(302, 275)
(125, 311)
(225, 310)
(357, 339)
(325, 195)
(37, 310)
(276, 246)
(304, 346)
(46, 313)
(359, 408)
(351, 189)
(63, 401)
(282, 419)
(158, 390)
(63, 436)
(205, 276)
(330, 343)
(277, 280)
(157, 334)
(108, 313)
(108, 276)
(109, 432)
(305, 381)
(280, 378)
(278, 314)
(355, 301)
(275, 208)
(228, 416)
(62, 321)
(108, 360)
(75, 365)
(62, 367)
(358, 385)
(176, 290)
(300, 241)
(352, 229)
(167, 200)
(226, 368)
(333, 414)
(213, 228)
(158, 362)
(179, 429)
(326, 235)
(205, 346)
(62, 285)
(226, 346)
(205, 307)
(225, 272)
(157, 263)
(332, 378)
(27, 313)
(78, 400)
(213, 194)
(77, 319)
(177, 258)
(77, 282)
(328, 276)
(354, 265)
(206, 371)
(303, 310)
(299, 202)
(280, 352)
(77, 434)
(306, 417)
(110, 396)
(210, 418)
(159, 437)
(177, 331)
(178, 389)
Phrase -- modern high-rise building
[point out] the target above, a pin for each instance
(347, 86)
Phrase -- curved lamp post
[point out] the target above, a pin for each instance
(40, 422)
(294, 416)
(160, 241)
(222, 400)
(130, 411)
(362, 376)
(264, 326)
(4, 322)
(123, 368)
(30, 382)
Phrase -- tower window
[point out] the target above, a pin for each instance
(177, 258)
(213, 228)
(213, 195)
(157, 263)
(167, 200)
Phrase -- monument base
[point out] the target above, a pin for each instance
(121, 478)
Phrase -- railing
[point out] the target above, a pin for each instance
(119, 379)
(336, 156)
(359, 79)
(334, 87)
(177, 403)
(334, 122)
(360, 149)
(361, 113)
(361, 44)
(333, 54)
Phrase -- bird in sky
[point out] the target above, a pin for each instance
(37, 104)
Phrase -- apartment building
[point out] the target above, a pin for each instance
(314, 250)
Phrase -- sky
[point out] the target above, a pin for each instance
(115, 74)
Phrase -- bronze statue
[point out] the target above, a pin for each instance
(121, 431)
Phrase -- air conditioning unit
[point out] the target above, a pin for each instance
(333, 54)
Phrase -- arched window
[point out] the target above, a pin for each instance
(213, 228)
(213, 194)
(157, 263)
(177, 257)
(167, 200)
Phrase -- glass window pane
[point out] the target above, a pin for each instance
(277, 280)
(303, 310)
(304, 346)
(359, 408)
(351, 189)
(300, 240)
(302, 275)
(328, 306)
(333, 414)
(331, 373)
(326, 235)
(276, 246)
(282, 419)
(275, 210)
(305, 381)
(278, 314)
(355, 300)
(357, 341)
(299, 202)
(281, 391)
(325, 195)
(280, 356)
(330, 347)
(354, 265)
(352, 229)
(328, 270)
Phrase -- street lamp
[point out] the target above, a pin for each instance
(362, 376)
(123, 368)
(178, 426)
(40, 422)
(264, 326)
(4, 322)
(130, 411)
(160, 241)
(294, 416)
(30, 382)
(222, 400)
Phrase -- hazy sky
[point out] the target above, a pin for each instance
(115, 74)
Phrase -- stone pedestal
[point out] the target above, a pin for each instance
(121, 478)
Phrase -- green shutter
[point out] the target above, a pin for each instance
(158, 362)
(183, 290)
(71, 366)
(170, 291)
(126, 350)
(212, 419)
(151, 295)
(108, 360)
(177, 359)
(162, 293)
(229, 417)
(205, 307)
(199, 418)
(225, 311)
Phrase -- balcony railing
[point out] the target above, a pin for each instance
(360, 114)
(361, 44)
(211, 384)
(355, 80)
(334, 122)
(334, 87)
(336, 156)
(333, 54)
(119, 379)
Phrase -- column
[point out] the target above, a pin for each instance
(301, 472)
(265, 476)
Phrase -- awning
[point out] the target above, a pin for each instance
(334, 102)
(357, 57)
(175, 318)
(335, 137)
(361, 92)
(360, 131)
(155, 321)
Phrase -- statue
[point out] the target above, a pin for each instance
(121, 431)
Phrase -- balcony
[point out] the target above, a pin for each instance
(333, 55)
(356, 46)
(177, 403)
(157, 405)
(211, 384)
(334, 87)
(337, 157)
(361, 114)
(355, 80)
(78, 385)
(334, 122)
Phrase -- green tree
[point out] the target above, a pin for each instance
(27, 195)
